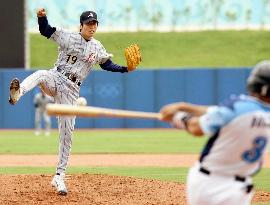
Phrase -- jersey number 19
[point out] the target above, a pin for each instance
(71, 59)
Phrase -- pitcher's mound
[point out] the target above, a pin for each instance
(89, 189)
(94, 189)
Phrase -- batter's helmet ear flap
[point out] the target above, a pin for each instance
(262, 90)
(265, 90)
(259, 79)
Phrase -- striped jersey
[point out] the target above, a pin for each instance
(77, 55)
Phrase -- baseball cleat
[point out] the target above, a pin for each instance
(14, 91)
(58, 182)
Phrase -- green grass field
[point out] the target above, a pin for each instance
(165, 50)
(111, 141)
(102, 141)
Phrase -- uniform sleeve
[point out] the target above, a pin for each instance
(102, 55)
(110, 66)
(60, 37)
(44, 27)
(215, 118)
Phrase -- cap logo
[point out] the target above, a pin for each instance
(90, 15)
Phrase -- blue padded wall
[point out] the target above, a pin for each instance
(143, 90)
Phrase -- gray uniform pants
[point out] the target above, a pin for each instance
(64, 91)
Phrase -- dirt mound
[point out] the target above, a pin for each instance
(94, 189)
(89, 189)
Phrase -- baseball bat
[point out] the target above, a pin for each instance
(90, 111)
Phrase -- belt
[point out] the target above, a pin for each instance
(249, 187)
(70, 76)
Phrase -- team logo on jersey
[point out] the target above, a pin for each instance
(91, 58)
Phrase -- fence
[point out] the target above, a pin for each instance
(143, 90)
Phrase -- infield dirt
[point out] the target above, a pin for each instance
(96, 189)
(93, 189)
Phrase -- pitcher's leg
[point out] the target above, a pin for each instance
(42, 78)
(66, 94)
(66, 127)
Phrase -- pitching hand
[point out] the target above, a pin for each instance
(41, 12)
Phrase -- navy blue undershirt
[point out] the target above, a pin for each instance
(110, 66)
(44, 27)
(46, 30)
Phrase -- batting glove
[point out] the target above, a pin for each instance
(180, 119)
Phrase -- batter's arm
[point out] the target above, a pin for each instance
(110, 66)
(44, 27)
(186, 121)
(168, 111)
(193, 126)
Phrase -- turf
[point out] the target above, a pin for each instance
(165, 50)
(102, 141)
(166, 174)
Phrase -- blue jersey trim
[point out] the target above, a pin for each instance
(243, 103)
(209, 145)
(217, 117)
(230, 102)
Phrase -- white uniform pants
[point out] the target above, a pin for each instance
(203, 189)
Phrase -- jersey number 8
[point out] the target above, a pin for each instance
(253, 154)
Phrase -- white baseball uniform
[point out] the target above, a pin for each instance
(239, 134)
(40, 102)
(76, 58)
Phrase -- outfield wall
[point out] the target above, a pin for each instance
(143, 90)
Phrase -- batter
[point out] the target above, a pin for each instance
(238, 137)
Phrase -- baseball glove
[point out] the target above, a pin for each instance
(133, 57)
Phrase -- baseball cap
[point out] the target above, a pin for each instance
(88, 16)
